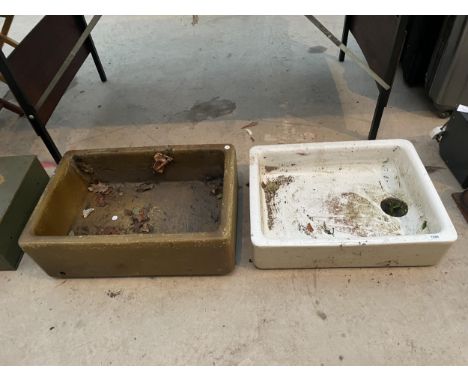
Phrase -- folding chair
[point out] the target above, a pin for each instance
(43, 64)
(381, 39)
(4, 39)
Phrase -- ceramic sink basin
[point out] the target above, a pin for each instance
(345, 204)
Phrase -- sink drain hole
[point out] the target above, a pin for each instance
(394, 207)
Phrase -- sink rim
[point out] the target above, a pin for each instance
(30, 239)
(447, 233)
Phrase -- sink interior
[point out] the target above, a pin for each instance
(185, 198)
(340, 193)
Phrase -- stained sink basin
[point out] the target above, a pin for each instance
(147, 211)
(345, 204)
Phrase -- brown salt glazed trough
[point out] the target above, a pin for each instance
(144, 217)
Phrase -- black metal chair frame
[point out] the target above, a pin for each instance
(375, 51)
(31, 111)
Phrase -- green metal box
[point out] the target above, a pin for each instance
(22, 180)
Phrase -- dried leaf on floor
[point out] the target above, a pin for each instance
(248, 131)
(251, 124)
(114, 293)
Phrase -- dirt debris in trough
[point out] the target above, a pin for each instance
(215, 183)
(160, 162)
(83, 166)
(166, 207)
(142, 187)
(100, 188)
(140, 219)
(101, 200)
(152, 206)
(87, 212)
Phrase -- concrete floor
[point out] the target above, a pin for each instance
(283, 74)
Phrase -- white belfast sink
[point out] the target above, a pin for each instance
(318, 205)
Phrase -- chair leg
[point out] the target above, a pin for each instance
(47, 139)
(92, 49)
(344, 37)
(97, 60)
(378, 112)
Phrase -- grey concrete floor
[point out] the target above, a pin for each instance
(283, 74)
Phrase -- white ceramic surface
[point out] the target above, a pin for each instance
(318, 205)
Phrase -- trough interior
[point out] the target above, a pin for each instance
(186, 198)
(336, 194)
